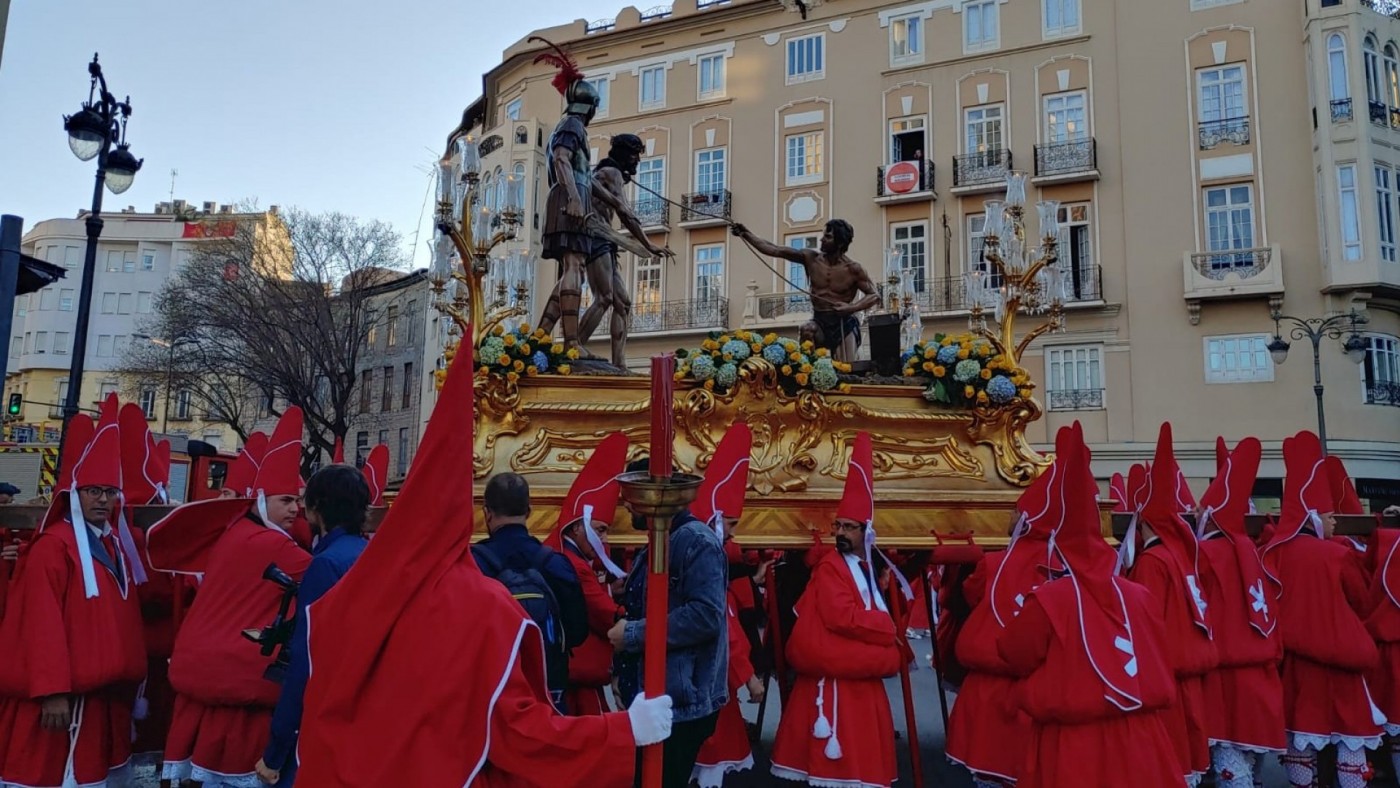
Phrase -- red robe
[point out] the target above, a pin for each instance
(842, 651)
(1244, 694)
(590, 665)
(223, 706)
(987, 731)
(1190, 652)
(727, 750)
(1327, 651)
(1077, 738)
(61, 643)
(157, 598)
(1384, 626)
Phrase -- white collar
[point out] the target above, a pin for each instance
(863, 583)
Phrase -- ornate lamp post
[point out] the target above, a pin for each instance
(1314, 329)
(468, 230)
(92, 132)
(1018, 277)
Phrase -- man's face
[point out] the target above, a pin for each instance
(828, 243)
(282, 510)
(6, 498)
(630, 161)
(848, 534)
(1329, 525)
(97, 503)
(227, 492)
(730, 523)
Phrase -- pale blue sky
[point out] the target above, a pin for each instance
(322, 104)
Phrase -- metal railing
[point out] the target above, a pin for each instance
(1075, 399)
(1232, 130)
(1244, 263)
(680, 315)
(1063, 158)
(1341, 110)
(775, 306)
(972, 169)
(701, 5)
(656, 12)
(703, 206)
(652, 212)
(600, 26)
(925, 176)
(1383, 392)
(1379, 112)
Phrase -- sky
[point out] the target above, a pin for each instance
(325, 105)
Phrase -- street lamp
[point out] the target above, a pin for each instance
(170, 346)
(1314, 329)
(92, 132)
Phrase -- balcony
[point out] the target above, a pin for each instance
(1380, 113)
(981, 172)
(653, 213)
(1232, 274)
(1341, 110)
(1232, 130)
(706, 209)
(1390, 8)
(1062, 162)
(780, 308)
(905, 181)
(687, 315)
(1075, 399)
(1383, 392)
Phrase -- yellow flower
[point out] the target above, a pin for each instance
(512, 376)
(563, 369)
(499, 331)
(801, 378)
(968, 392)
(756, 348)
(556, 348)
(807, 344)
(482, 371)
(525, 348)
(981, 398)
(540, 335)
(823, 352)
(928, 366)
(572, 354)
(908, 372)
(842, 366)
(939, 371)
(963, 353)
(794, 356)
(769, 339)
(844, 388)
(986, 374)
(510, 340)
(708, 344)
(518, 366)
(679, 375)
(530, 372)
(728, 356)
(1024, 393)
(710, 384)
(525, 328)
(930, 352)
(787, 369)
(724, 338)
(806, 367)
(503, 360)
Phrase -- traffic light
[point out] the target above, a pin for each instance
(16, 404)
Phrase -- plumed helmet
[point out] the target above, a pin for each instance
(581, 98)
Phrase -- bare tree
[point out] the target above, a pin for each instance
(279, 308)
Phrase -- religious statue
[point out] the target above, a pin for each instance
(835, 281)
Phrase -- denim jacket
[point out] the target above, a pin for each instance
(697, 645)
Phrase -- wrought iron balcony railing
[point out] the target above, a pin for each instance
(988, 167)
(680, 315)
(656, 12)
(1341, 110)
(599, 26)
(1064, 158)
(1380, 113)
(1075, 399)
(924, 176)
(705, 206)
(1382, 392)
(776, 306)
(1243, 263)
(652, 212)
(1232, 130)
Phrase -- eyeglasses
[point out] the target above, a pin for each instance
(99, 492)
(857, 527)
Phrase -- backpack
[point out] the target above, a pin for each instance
(527, 584)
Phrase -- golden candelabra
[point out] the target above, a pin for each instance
(1017, 278)
(468, 230)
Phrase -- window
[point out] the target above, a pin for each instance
(61, 340)
(1337, 68)
(148, 402)
(980, 25)
(1064, 117)
(143, 303)
(646, 292)
(709, 273)
(109, 303)
(383, 438)
(1230, 226)
(1076, 377)
(797, 272)
(709, 171)
(711, 68)
(29, 342)
(65, 300)
(911, 242)
(1351, 212)
(1381, 370)
(907, 39)
(1061, 17)
(391, 333)
(407, 384)
(120, 342)
(804, 158)
(114, 262)
(361, 448)
(183, 400)
(16, 346)
(1385, 213)
(984, 131)
(1076, 253)
(47, 297)
(148, 261)
(128, 262)
(600, 84)
(651, 181)
(366, 383)
(1371, 60)
(513, 109)
(23, 302)
(402, 464)
(805, 60)
(41, 341)
(1221, 93)
(104, 346)
(1242, 358)
(124, 303)
(975, 223)
(57, 410)
(72, 256)
(372, 338)
(1392, 77)
(106, 389)
(653, 88)
(386, 400)
(907, 141)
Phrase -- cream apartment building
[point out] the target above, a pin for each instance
(1213, 159)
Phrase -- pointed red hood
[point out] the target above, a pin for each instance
(376, 473)
(1306, 493)
(1163, 513)
(101, 463)
(279, 473)
(243, 471)
(80, 432)
(1344, 495)
(1226, 503)
(138, 456)
(727, 477)
(1222, 453)
(1040, 513)
(593, 498)
(1118, 490)
(858, 500)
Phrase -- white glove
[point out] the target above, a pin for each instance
(650, 718)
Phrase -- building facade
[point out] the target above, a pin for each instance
(1211, 166)
(136, 254)
(392, 370)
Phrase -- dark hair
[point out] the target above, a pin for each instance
(842, 233)
(625, 143)
(340, 496)
(508, 495)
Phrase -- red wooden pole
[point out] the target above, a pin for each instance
(775, 631)
(901, 619)
(658, 593)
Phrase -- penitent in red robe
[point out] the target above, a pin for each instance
(842, 649)
(58, 642)
(727, 750)
(223, 706)
(590, 665)
(1078, 737)
(1384, 625)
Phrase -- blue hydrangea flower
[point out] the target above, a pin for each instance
(775, 355)
(823, 375)
(541, 361)
(947, 355)
(727, 375)
(702, 368)
(905, 356)
(736, 349)
(966, 370)
(1001, 390)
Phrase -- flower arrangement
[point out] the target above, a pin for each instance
(715, 364)
(522, 353)
(965, 370)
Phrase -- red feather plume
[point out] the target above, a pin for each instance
(568, 69)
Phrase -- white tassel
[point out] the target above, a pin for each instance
(833, 744)
(821, 729)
